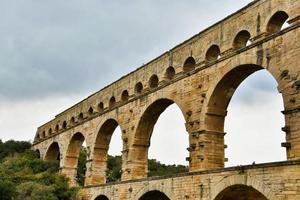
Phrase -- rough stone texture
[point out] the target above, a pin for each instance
(200, 76)
(273, 181)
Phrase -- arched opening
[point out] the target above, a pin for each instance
(112, 102)
(240, 192)
(50, 131)
(56, 128)
(43, 135)
(170, 73)
(114, 156)
(102, 197)
(80, 116)
(91, 111)
(165, 142)
(73, 120)
(258, 97)
(153, 81)
(138, 88)
(242, 39)
(53, 152)
(157, 195)
(107, 168)
(189, 64)
(217, 111)
(125, 95)
(64, 125)
(100, 107)
(277, 22)
(74, 165)
(213, 53)
(38, 137)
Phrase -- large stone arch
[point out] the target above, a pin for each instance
(97, 172)
(154, 195)
(240, 192)
(53, 152)
(242, 180)
(218, 99)
(101, 194)
(138, 152)
(71, 157)
(101, 197)
(155, 187)
(221, 94)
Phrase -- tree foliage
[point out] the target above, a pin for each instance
(7, 190)
(156, 168)
(81, 168)
(114, 164)
(25, 176)
(11, 147)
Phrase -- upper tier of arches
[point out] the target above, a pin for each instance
(242, 37)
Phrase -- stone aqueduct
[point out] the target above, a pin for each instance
(200, 75)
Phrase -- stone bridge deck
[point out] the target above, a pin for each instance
(275, 181)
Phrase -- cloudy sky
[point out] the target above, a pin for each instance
(55, 53)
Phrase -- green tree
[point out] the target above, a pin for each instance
(7, 190)
(35, 191)
(114, 164)
(81, 168)
(11, 147)
(35, 178)
(157, 169)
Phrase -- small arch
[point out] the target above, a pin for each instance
(56, 128)
(50, 131)
(72, 120)
(53, 152)
(101, 197)
(170, 73)
(213, 53)
(125, 95)
(43, 135)
(153, 81)
(189, 64)
(100, 107)
(138, 88)
(64, 125)
(112, 102)
(80, 116)
(241, 39)
(155, 194)
(277, 21)
(91, 111)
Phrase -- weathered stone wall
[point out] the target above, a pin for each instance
(200, 76)
(276, 181)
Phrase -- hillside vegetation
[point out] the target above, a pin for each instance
(24, 176)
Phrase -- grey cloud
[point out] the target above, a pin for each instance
(64, 47)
